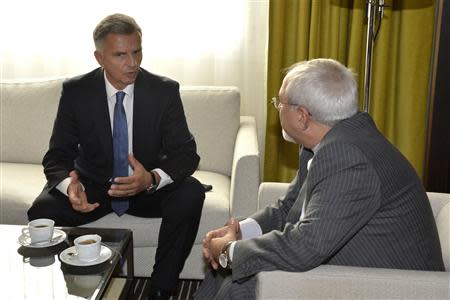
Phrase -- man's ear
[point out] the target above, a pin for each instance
(303, 113)
(303, 117)
(99, 57)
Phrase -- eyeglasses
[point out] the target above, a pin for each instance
(278, 104)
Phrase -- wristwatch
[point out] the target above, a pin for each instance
(152, 187)
(224, 256)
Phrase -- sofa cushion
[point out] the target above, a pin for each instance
(213, 117)
(27, 116)
(20, 185)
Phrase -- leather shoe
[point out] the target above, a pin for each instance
(158, 294)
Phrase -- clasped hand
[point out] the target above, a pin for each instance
(215, 240)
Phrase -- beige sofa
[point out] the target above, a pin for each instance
(341, 282)
(226, 141)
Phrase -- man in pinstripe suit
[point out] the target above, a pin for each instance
(355, 200)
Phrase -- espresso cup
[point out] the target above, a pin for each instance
(39, 230)
(88, 247)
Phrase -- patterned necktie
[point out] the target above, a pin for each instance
(120, 150)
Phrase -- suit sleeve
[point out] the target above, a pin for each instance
(63, 145)
(274, 217)
(343, 195)
(179, 157)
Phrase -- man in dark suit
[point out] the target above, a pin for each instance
(355, 201)
(121, 143)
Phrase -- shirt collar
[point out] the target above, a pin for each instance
(314, 149)
(111, 90)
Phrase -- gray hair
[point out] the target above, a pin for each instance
(325, 87)
(116, 23)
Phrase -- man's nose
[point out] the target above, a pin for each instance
(132, 60)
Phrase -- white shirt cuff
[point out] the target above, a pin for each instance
(64, 185)
(249, 229)
(165, 179)
(232, 250)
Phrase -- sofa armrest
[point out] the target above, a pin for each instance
(343, 282)
(269, 192)
(245, 169)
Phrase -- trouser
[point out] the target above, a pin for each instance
(179, 206)
(218, 284)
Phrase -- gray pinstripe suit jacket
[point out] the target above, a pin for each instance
(364, 206)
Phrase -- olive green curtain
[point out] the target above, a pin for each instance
(305, 29)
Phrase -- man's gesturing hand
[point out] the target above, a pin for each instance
(77, 196)
(131, 185)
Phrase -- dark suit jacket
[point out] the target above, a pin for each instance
(363, 206)
(82, 137)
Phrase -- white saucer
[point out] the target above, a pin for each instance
(58, 237)
(105, 254)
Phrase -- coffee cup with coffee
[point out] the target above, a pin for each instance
(39, 230)
(88, 247)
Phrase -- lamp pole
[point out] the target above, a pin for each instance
(374, 10)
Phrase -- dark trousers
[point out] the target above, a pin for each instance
(179, 205)
(218, 284)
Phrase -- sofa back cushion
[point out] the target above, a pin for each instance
(213, 115)
(28, 111)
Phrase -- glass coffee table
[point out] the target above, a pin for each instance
(37, 272)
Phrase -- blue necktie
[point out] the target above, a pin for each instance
(120, 149)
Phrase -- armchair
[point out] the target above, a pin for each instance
(344, 282)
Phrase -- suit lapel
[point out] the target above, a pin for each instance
(100, 111)
(139, 108)
(300, 204)
(144, 109)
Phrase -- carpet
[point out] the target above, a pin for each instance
(141, 285)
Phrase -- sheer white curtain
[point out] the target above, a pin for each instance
(197, 42)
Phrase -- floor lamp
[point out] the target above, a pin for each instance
(375, 10)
